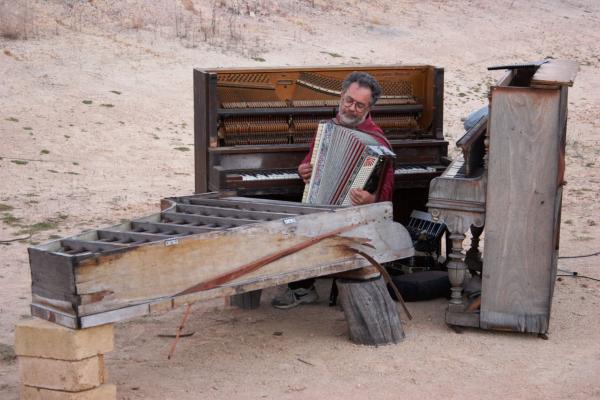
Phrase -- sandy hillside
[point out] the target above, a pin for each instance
(96, 125)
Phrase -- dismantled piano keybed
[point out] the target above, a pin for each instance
(126, 270)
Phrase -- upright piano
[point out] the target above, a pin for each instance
(510, 180)
(254, 126)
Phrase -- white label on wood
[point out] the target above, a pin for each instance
(171, 242)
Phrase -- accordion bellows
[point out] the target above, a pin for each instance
(344, 159)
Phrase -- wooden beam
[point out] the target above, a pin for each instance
(169, 228)
(159, 270)
(556, 72)
(130, 236)
(290, 208)
(206, 220)
(93, 246)
(228, 212)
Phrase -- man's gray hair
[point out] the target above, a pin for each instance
(365, 80)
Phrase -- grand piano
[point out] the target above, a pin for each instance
(254, 126)
(508, 184)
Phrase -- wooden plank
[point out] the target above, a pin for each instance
(521, 199)
(67, 306)
(562, 123)
(130, 236)
(292, 208)
(232, 212)
(93, 246)
(52, 274)
(52, 315)
(201, 126)
(437, 124)
(170, 228)
(206, 220)
(157, 270)
(114, 316)
(323, 112)
(271, 202)
(561, 72)
(169, 303)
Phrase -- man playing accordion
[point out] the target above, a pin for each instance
(360, 92)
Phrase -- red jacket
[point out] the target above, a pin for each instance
(386, 190)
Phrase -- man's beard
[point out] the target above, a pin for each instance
(349, 120)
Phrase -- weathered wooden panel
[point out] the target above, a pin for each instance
(127, 270)
(204, 107)
(556, 72)
(155, 270)
(521, 208)
(52, 275)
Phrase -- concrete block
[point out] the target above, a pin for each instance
(40, 338)
(104, 392)
(69, 376)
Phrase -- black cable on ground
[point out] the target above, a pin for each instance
(576, 275)
(581, 256)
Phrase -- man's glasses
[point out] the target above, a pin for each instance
(349, 101)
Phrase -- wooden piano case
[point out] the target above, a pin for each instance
(526, 134)
(254, 126)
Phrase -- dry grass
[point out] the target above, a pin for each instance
(220, 24)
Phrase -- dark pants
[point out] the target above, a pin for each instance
(303, 284)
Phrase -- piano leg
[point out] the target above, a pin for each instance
(458, 223)
(456, 267)
(473, 256)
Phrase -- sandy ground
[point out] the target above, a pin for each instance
(96, 115)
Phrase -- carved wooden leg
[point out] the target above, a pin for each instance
(473, 256)
(458, 223)
(456, 267)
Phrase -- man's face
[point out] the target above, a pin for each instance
(354, 105)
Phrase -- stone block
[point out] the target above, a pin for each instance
(69, 376)
(40, 338)
(104, 392)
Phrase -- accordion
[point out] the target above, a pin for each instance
(344, 159)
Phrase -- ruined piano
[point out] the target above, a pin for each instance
(254, 126)
(509, 178)
(199, 247)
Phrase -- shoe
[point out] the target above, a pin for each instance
(294, 297)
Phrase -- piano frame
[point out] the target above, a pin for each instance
(524, 171)
(212, 158)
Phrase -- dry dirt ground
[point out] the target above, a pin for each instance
(96, 125)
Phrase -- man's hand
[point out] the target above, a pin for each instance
(305, 170)
(361, 197)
